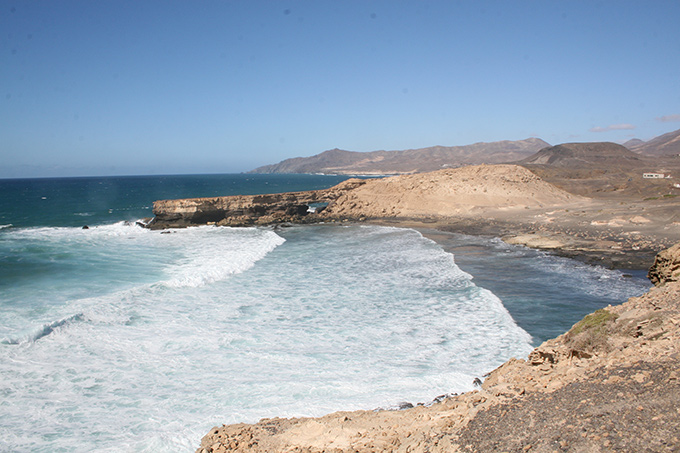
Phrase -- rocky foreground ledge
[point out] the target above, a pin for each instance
(612, 383)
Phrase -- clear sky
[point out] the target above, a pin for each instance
(150, 87)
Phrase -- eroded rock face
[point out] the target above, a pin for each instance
(666, 267)
(243, 210)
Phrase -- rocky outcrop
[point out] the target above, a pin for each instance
(666, 267)
(243, 210)
(440, 193)
(609, 384)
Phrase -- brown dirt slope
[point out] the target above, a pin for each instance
(666, 144)
(603, 170)
(450, 192)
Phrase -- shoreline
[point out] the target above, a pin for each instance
(610, 251)
(610, 383)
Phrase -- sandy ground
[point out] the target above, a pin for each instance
(508, 201)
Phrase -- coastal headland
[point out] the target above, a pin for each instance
(509, 201)
(608, 384)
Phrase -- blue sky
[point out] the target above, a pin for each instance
(151, 87)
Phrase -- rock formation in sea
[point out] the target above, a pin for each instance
(611, 383)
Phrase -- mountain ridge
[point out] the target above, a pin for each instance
(419, 160)
(381, 162)
(664, 145)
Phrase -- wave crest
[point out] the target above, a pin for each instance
(43, 331)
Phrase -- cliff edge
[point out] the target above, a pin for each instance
(442, 193)
(611, 383)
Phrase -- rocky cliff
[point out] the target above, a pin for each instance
(242, 210)
(441, 193)
(609, 384)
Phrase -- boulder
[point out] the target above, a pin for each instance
(666, 267)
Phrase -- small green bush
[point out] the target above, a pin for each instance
(590, 333)
(596, 320)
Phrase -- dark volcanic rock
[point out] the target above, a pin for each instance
(577, 155)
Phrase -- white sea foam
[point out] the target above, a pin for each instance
(9, 225)
(210, 254)
(205, 326)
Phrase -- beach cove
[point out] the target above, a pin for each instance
(137, 340)
(605, 385)
(618, 234)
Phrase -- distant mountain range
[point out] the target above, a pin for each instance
(337, 161)
(663, 145)
(530, 152)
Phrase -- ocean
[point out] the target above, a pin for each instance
(118, 338)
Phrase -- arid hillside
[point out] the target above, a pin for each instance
(663, 145)
(604, 169)
(337, 161)
(450, 192)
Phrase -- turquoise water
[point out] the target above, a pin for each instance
(117, 338)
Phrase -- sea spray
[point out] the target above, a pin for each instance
(241, 324)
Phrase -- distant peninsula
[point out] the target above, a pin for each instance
(341, 162)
